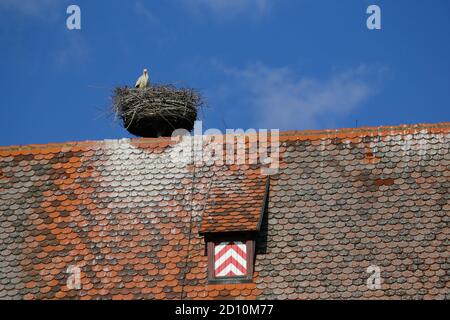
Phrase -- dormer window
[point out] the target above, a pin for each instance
(231, 221)
(230, 260)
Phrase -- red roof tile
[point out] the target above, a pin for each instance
(235, 202)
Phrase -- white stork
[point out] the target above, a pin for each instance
(143, 80)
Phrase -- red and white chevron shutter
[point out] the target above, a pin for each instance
(230, 259)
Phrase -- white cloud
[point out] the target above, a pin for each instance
(75, 50)
(230, 7)
(281, 99)
(142, 10)
(29, 7)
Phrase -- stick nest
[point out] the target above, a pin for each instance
(157, 110)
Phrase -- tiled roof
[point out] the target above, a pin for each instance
(130, 218)
(235, 202)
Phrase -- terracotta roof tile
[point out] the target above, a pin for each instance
(235, 201)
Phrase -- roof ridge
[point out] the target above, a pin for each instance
(57, 145)
(360, 131)
(284, 135)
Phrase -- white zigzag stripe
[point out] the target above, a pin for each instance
(228, 268)
(220, 246)
(235, 255)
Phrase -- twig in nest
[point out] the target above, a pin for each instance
(156, 110)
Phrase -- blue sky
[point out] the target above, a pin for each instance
(287, 64)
